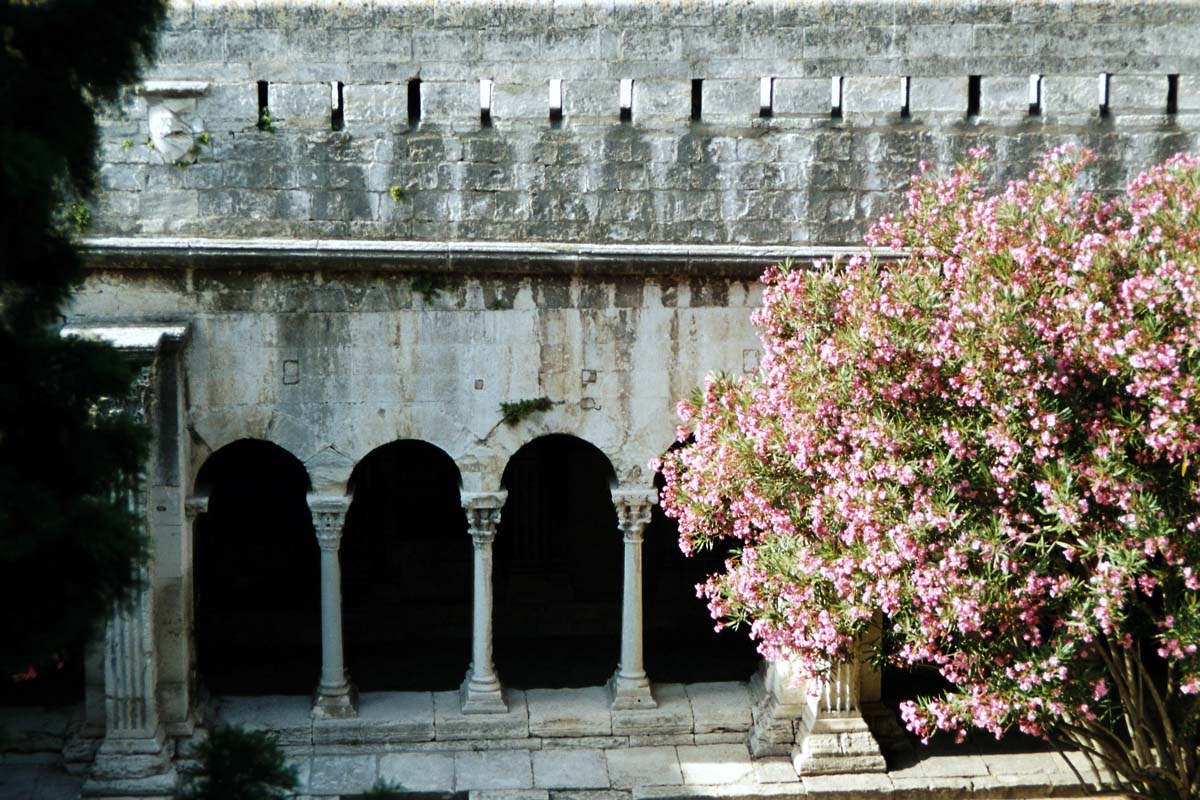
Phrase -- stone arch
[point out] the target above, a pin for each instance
(558, 567)
(406, 571)
(680, 643)
(257, 590)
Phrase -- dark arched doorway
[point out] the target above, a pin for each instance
(257, 579)
(681, 645)
(558, 567)
(406, 571)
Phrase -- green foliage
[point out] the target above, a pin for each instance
(126, 144)
(264, 120)
(512, 413)
(69, 543)
(397, 194)
(81, 217)
(204, 139)
(428, 286)
(240, 765)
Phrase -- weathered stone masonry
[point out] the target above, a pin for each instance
(604, 260)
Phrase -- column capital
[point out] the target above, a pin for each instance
(483, 513)
(634, 507)
(195, 505)
(329, 516)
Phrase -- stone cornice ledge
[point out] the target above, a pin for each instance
(551, 258)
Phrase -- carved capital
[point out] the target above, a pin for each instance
(329, 516)
(483, 514)
(195, 506)
(633, 512)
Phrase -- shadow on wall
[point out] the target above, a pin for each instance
(257, 579)
(406, 571)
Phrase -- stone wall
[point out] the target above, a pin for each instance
(801, 175)
(330, 364)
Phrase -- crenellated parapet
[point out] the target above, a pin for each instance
(616, 122)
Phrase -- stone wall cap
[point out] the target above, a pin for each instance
(452, 256)
(142, 338)
(174, 88)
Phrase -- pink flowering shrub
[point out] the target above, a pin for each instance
(992, 441)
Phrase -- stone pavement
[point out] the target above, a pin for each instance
(567, 744)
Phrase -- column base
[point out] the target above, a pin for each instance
(482, 696)
(340, 703)
(136, 766)
(836, 744)
(630, 693)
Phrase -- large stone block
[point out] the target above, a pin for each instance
(708, 765)
(719, 707)
(571, 768)
(1004, 95)
(808, 96)
(938, 95)
(570, 712)
(672, 716)
(492, 769)
(418, 772)
(451, 724)
(871, 96)
(342, 774)
(644, 766)
(730, 100)
(1070, 95)
(1137, 94)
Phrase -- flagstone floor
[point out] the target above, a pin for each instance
(567, 745)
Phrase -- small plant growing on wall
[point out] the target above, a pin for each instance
(236, 764)
(512, 413)
(397, 194)
(264, 120)
(428, 286)
(81, 217)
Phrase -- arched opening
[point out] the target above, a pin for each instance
(406, 571)
(558, 567)
(680, 643)
(257, 579)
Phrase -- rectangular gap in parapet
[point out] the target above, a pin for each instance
(697, 99)
(556, 102)
(337, 112)
(766, 97)
(1102, 92)
(626, 100)
(1172, 94)
(1035, 95)
(414, 102)
(485, 102)
(905, 111)
(835, 97)
(264, 113)
(974, 94)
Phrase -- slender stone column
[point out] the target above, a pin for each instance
(481, 691)
(630, 687)
(335, 696)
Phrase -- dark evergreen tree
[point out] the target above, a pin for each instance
(69, 545)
